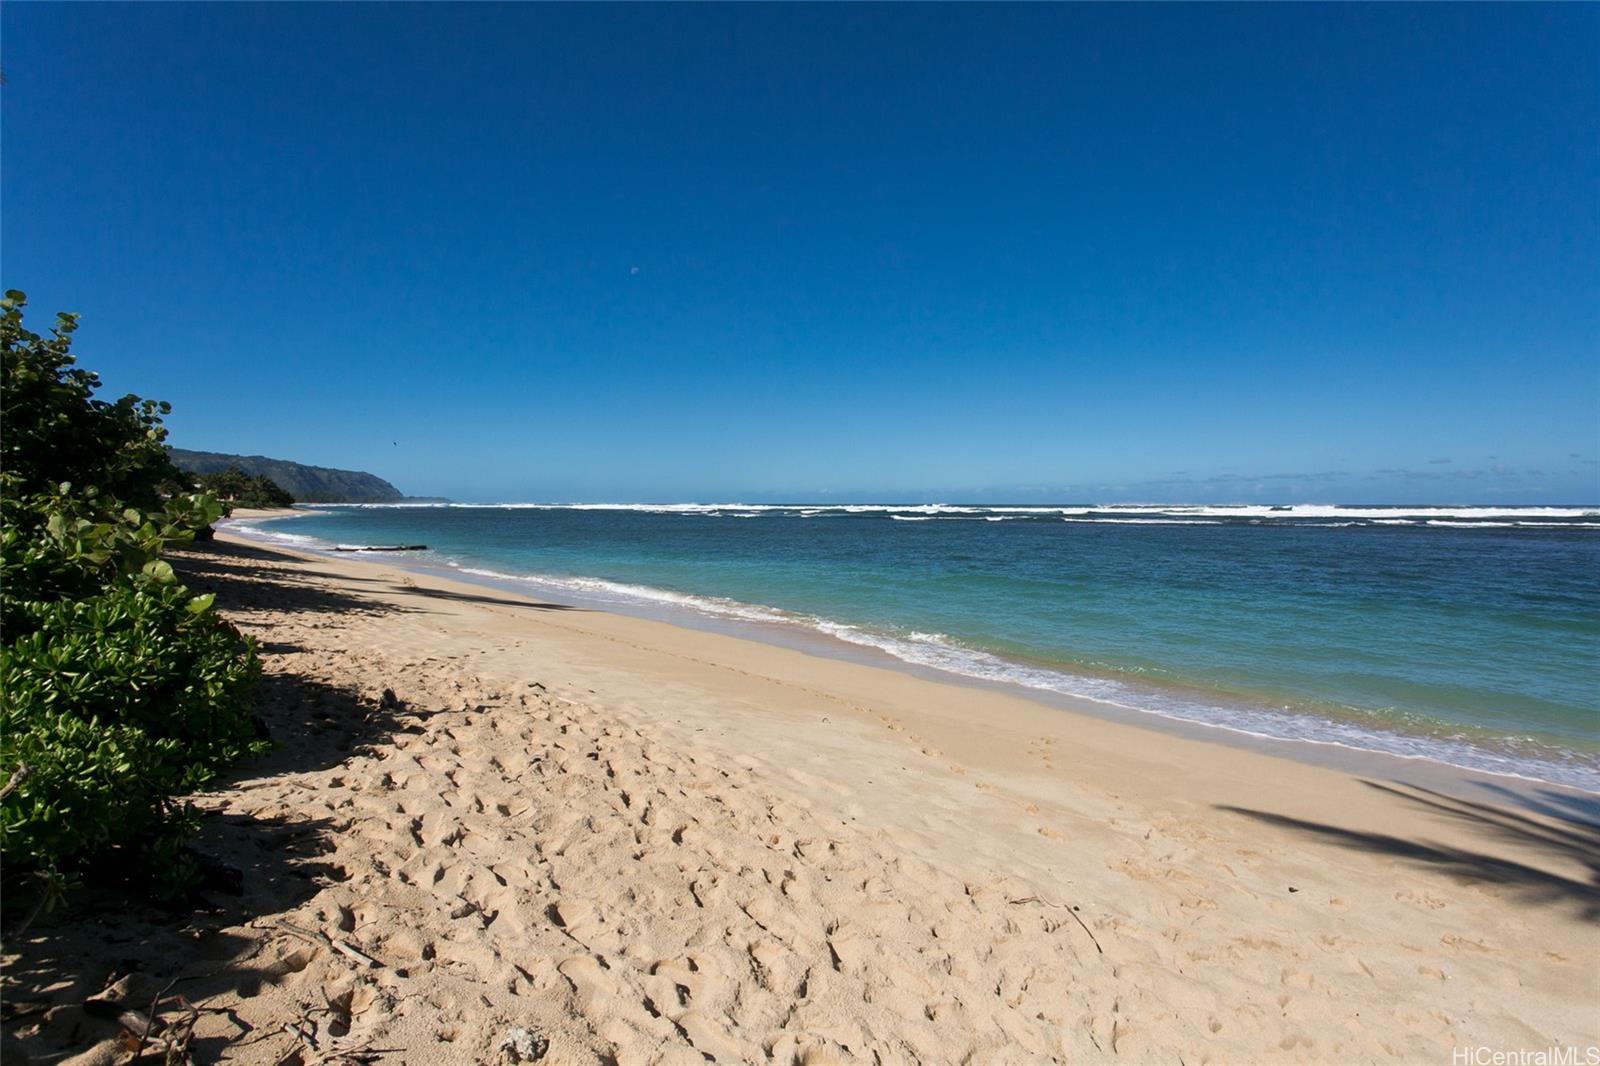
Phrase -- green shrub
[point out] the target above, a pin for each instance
(120, 691)
(118, 703)
(65, 544)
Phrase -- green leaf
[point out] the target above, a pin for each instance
(202, 604)
(160, 571)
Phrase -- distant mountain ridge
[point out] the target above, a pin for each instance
(307, 484)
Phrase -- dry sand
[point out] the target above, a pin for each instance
(642, 843)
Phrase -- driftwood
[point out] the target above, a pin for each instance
(347, 950)
(1070, 909)
(384, 548)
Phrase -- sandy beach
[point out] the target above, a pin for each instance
(595, 838)
(800, 534)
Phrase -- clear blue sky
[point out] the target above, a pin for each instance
(1344, 253)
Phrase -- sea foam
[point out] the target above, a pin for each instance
(1463, 517)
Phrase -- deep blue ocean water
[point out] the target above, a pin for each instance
(1467, 635)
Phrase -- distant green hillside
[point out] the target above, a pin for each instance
(308, 484)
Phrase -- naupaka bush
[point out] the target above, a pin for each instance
(120, 690)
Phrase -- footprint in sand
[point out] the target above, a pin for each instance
(589, 981)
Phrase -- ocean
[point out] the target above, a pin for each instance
(1465, 635)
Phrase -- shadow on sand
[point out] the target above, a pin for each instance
(214, 567)
(108, 937)
(224, 568)
(469, 597)
(1567, 836)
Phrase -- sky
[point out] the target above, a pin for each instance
(1291, 253)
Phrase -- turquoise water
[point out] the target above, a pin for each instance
(1466, 635)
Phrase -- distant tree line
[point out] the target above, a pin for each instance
(235, 488)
